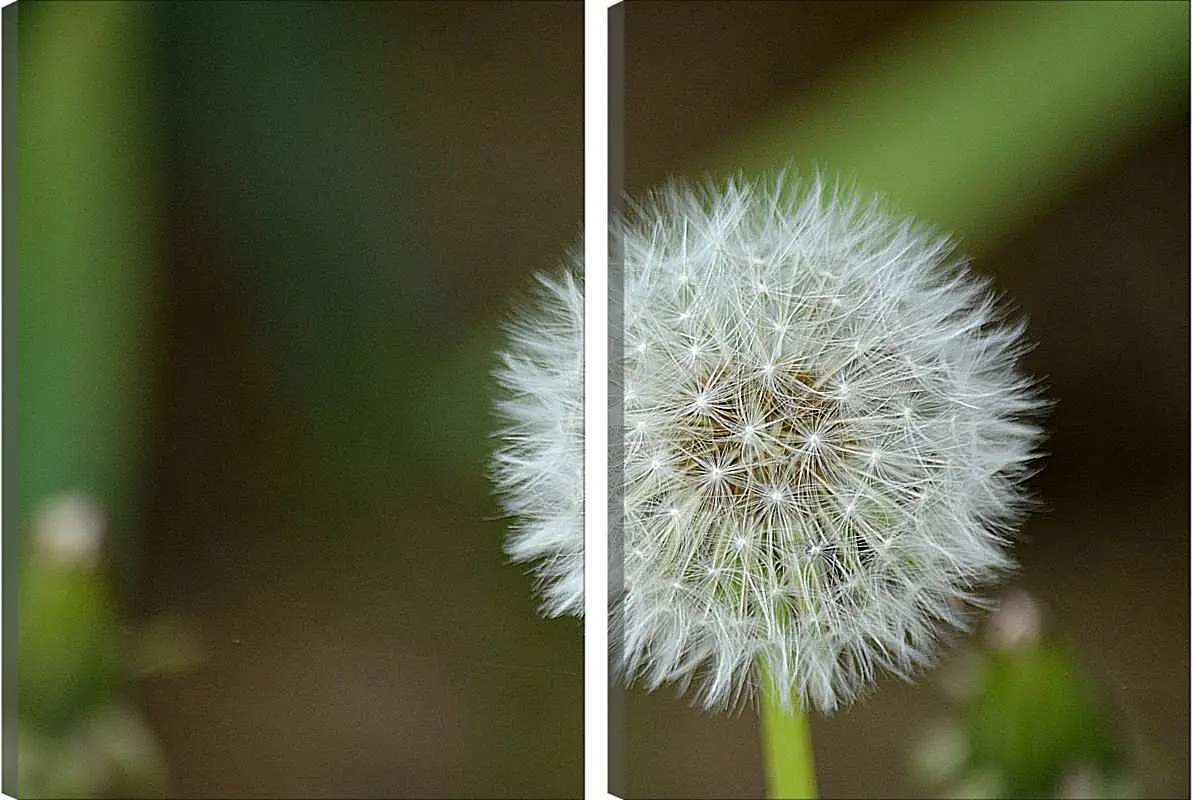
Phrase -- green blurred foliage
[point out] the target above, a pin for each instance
(1035, 718)
(67, 642)
(109, 753)
(980, 119)
(1028, 722)
(78, 734)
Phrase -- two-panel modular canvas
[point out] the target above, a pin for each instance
(302, 308)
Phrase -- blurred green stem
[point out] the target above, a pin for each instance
(85, 242)
(787, 746)
(981, 117)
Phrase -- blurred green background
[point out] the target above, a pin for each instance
(264, 248)
(263, 251)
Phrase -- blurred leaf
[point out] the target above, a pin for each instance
(980, 119)
(1034, 719)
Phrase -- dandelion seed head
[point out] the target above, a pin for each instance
(827, 440)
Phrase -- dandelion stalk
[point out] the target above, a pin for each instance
(788, 761)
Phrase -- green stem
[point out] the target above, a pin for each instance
(985, 115)
(787, 746)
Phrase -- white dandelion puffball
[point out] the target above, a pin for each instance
(826, 441)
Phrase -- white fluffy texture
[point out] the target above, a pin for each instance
(825, 442)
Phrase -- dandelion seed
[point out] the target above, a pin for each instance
(826, 451)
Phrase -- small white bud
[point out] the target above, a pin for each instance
(69, 531)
